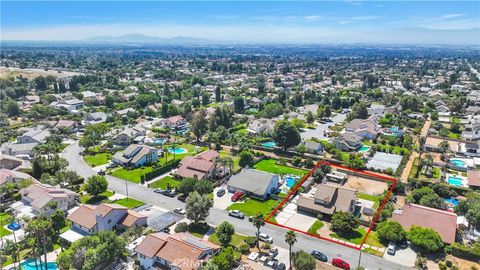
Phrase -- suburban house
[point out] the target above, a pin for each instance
(444, 222)
(472, 127)
(15, 149)
(178, 251)
(105, 217)
(254, 183)
(262, 125)
(12, 163)
(95, 117)
(40, 197)
(124, 112)
(201, 166)
(376, 109)
(174, 122)
(313, 147)
(70, 105)
(129, 135)
(11, 176)
(365, 128)
(348, 141)
(136, 155)
(473, 178)
(68, 125)
(37, 135)
(327, 200)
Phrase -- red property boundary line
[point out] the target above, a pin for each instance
(372, 224)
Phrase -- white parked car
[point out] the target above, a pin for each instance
(179, 210)
(391, 249)
(265, 238)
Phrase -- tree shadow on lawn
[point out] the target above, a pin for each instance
(353, 236)
(199, 229)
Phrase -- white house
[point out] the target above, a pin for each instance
(136, 155)
(42, 197)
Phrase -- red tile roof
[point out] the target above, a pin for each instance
(473, 177)
(444, 222)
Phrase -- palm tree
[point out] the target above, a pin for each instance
(229, 163)
(444, 146)
(258, 221)
(290, 239)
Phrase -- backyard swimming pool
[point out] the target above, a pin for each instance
(364, 148)
(30, 265)
(451, 201)
(290, 181)
(455, 181)
(158, 141)
(458, 163)
(269, 144)
(177, 150)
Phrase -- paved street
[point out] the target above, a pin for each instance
(319, 129)
(307, 243)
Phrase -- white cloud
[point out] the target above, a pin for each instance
(449, 16)
(454, 25)
(312, 17)
(366, 18)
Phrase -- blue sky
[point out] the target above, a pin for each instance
(451, 22)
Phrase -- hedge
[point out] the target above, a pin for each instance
(164, 169)
(466, 252)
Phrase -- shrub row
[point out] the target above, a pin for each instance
(466, 252)
(159, 171)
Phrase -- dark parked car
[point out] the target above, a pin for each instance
(101, 173)
(280, 266)
(159, 190)
(182, 197)
(220, 192)
(169, 193)
(273, 252)
(319, 256)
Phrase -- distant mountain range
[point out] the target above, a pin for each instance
(138, 38)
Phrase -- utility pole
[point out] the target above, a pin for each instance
(126, 187)
(359, 258)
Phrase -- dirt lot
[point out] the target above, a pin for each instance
(32, 73)
(365, 185)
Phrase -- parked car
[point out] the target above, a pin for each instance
(237, 196)
(179, 210)
(271, 262)
(391, 249)
(253, 256)
(280, 266)
(169, 193)
(236, 213)
(166, 230)
(265, 238)
(111, 165)
(319, 255)
(158, 190)
(220, 192)
(273, 252)
(340, 263)
(250, 218)
(101, 173)
(182, 197)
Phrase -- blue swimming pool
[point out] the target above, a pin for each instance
(364, 148)
(269, 144)
(14, 226)
(455, 181)
(30, 265)
(290, 181)
(177, 150)
(158, 141)
(458, 163)
(451, 201)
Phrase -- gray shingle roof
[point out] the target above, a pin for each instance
(251, 180)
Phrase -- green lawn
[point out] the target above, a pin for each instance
(252, 207)
(357, 237)
(129, 202)
(235, 159)
(97, 159)
(164, 182)
(131, 175)
(315, 227)
(198, 230)
(269, 165)
(237, 239)
(4, 221)
(452, 135)
(88, 198)
(190, 152)
(374, 198)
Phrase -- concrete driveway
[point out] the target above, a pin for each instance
(317, 132)
(404, 257)
(291, 218)
(222, 202)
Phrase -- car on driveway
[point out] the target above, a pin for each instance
(319, 256)
(220, 192)
(111, 165)
(340, 263)
(101, 173)
(265, 238)
(179, 210)
(391, 249)
(158, 190)
(273, 252)
(237, 196)
(236, 213)
(271, 262)
(280, 266)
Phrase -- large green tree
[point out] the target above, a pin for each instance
(391, 231)
(197, 207)
(286, 135)
(246, 159)
(425, 238)
(225, 232)
(96, 185)
(290, 239)
(199, 124)
(303, 260)
(344, 222)
(258, 222)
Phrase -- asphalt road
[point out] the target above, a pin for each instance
(217, 216)
(317, 132)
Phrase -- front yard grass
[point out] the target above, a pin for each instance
(237, 239)
(374, 198)
(97, 159)
(269, 165)
(198, 230)
(165, 182)
(357, 236)
(87, 198)
(252, 207)
(129, 202)
(315, 227)
(134, 175)
(4, 221)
